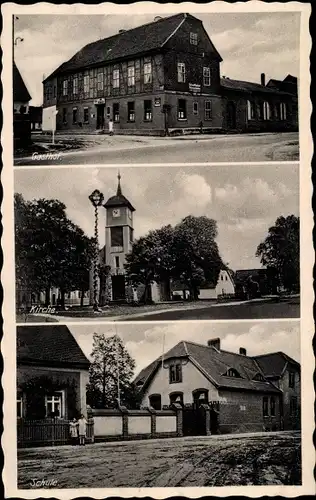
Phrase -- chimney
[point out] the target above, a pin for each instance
(263, 79)
(242, 351)
(215, 343)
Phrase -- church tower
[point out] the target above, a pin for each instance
(118, 239)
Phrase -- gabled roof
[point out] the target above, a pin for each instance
(49, 345)
(213, 364)
(274, 364)
(20, 92)
(243, 274)
(119, 199)
(128, 43)
(249, 87)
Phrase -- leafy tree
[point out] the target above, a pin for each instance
(50, 249)
(111, 373)
(280, 251)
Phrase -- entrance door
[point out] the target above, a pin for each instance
(118, 287)
(100, 116)
(231, 115)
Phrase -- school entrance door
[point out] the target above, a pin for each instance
(100, 116)
(118, 288)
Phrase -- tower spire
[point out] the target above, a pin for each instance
(119, 189)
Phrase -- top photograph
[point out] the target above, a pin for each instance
(121, 89)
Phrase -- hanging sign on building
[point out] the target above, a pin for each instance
(195, 88)
(99, 101)
(157, 101)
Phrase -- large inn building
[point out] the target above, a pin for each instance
(160, 78)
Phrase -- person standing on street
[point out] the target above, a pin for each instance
(73, 431)
(82, 424)
(111, 127)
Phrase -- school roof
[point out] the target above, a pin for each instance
(274, 364)
(49, 345)
(20, 92)
(128, 43)
(249, 87)
(214, 364)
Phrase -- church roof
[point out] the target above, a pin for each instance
(119, 199)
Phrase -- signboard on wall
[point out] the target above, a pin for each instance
(195, 88)
(157, 101)
(49, 119)
(101, 100)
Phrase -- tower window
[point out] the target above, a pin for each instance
(117, 262)
(193, 38)
(116, 236)
(131, 235)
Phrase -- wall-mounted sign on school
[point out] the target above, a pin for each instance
(170, 64)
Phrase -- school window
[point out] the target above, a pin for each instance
(116, 79)
(100, 80)
(147, 72)
(293, 406)
(206, 76)
(208, 110)
(272, 406)
(86, 115)
(74, 115)
(265, 407)
(250, 110)
(182, 109)
(291, 379)
(117, 262)
(75, 86)
(19, 405)
(175, 373)
(53, 405)
(65, 87)
(147, 111)
(116, 112)
(195, 108)
(266, 111)
(64, 115)
(86, 84)
(116, 236)
(283, 111)
(181, 72)
(193, 38)
(131, 76)
(131, 111)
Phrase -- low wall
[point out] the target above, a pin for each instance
(121, 424)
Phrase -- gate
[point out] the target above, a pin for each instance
(194, 421)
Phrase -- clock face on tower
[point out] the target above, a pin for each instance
(116, 212)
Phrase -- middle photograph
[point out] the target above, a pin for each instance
(148, 244)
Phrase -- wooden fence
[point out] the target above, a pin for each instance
(48, 432)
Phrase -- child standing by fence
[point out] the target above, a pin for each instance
(82, 423)
(73, 430)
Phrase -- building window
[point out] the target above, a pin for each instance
(176, 397)
(117, 262)
(195, 108)
(53, 405)
(182, 109)
(131, 76)
(86, 115)
(283, 111)
(277, 109)
(260, 110)
(86, 84)
(266, 111)
(116, 79)
(181, 72)
(265, 407)
(116, 112)
(206, 76)
(291, 379)
(19, 405)
(131, 235)
(232, 373)
(147, 73)
(147, 111)
(64, 115)
(74, 115)
(293, 406)
(65, 87)
(54, 90)
(208, 110)
(75, 86)
(175, 373)
(116, 236)
(131, 111)
(272, 406)
(100, 80)
(250, 110)
(155, 401)
(258, 377)
(193, 38)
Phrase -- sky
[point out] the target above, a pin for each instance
(249, 43)
(244, 200)
(145, 341)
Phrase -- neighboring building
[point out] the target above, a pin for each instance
(224, 287)
(160, 78)
(36, 117)
(52, 373)
(21, 118)
(192, 375)
(285, 373)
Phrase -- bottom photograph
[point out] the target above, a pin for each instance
(158, 404)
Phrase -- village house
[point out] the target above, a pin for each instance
(21, 99)
(242, 395)
(52, 373)
(161, 78)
